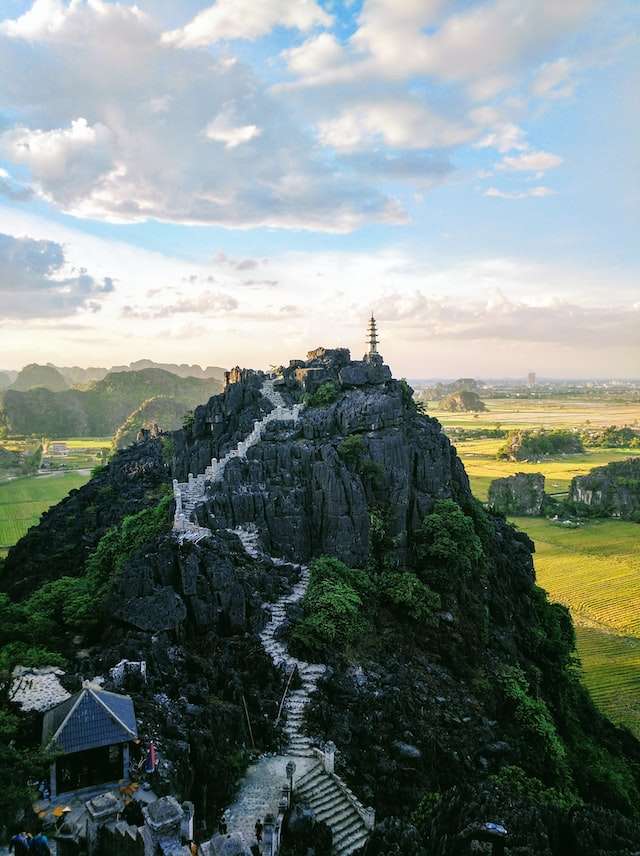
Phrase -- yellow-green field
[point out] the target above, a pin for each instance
(547, 412)
(611, 672)
(23, 500)
(595, 571)
(479, 457)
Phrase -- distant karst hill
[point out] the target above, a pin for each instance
(35, 376)
(77, 376)
(610, 491)
(167, 413)
(463, 401)
(100, 409)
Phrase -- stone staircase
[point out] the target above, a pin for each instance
(261, 791)
(188, 495)
(334, 804)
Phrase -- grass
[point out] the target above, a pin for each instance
(23, 500)
(595, 571)
(479, 458)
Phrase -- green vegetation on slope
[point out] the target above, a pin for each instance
(167, 413)
(24, 500)
(102, 407)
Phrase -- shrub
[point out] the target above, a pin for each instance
(410, 595)
(516, 783)
(353, 452)
(352, 449)
(332, 606)
(535, 723)
(324, 395)
(447, 545)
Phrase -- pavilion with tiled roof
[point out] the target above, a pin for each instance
(90, 733)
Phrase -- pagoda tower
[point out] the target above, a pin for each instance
(372, 355)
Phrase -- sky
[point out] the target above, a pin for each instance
(239, 182)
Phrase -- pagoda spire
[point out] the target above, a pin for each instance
(372, 336)
(372, 355)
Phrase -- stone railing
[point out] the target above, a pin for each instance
(326, 757)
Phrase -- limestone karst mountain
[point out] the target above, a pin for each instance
(427, 655)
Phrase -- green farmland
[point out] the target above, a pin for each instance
(23, 500)
(595, 571)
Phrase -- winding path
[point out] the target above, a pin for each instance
(315, 782)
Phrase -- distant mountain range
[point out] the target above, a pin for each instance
(102, 407)
(56, 378)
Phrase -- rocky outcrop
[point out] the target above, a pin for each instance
(521, 493)
(296, 487)
(611, 491)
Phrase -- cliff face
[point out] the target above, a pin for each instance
(469, 714)
(612, 491)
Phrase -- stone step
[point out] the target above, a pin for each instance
(359, 840)
(344, 828)
(316, 788)
(302, 753)
(334, 813)
(329, 802)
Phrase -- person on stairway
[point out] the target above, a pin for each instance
(259, 828)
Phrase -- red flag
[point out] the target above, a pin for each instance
(152, 759)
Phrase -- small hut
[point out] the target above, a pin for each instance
(90, 733)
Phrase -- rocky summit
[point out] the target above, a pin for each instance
(306, 576)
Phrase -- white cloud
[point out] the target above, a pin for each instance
(36, 281)
(553, 80)
(505, 137)
(530, 162)
(481, 46)
(247, 19)
(314, 55)
(538, 191)
(114, 127)
(403, 124)
(223, 129)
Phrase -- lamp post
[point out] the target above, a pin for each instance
(291, 768)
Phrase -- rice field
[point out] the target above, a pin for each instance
(595, 571)
(611, 672)
(545, 412)
(23, 500)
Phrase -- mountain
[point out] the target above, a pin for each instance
(35, 376)
(166, 413)
(6, 379)
(102, 408)
(442, 674)
(77, 376)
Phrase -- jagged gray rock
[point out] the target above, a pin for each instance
(521, 493)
